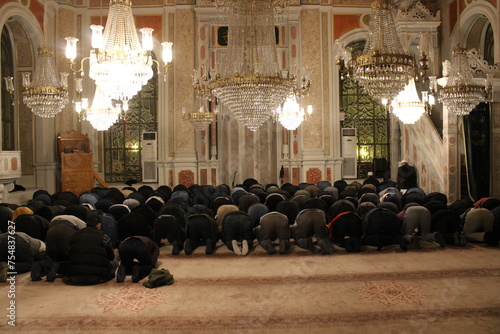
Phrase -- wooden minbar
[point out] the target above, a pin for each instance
(77, 170)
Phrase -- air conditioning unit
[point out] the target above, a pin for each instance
(149, 153)
(349, 152)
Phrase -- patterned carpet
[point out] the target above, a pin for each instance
(453, 290)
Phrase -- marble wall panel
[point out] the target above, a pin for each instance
(311, 60)
(183, 64)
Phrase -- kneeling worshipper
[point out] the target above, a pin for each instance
(308, 224)
(478, 226)
(138, 256)
(274, 226)
(61, 229)
(201, 229)
(90, 254)
(419, 218)
(237, 229)
(382, 228)
(167, 227)
(27, 250)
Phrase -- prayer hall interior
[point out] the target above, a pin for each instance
(180, 126)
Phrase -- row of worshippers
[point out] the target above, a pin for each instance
(54, 229)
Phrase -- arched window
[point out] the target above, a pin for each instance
(370, 119)
(489, 49)
(122, 142)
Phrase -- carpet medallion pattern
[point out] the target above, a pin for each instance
(130, 298)
(392, 293)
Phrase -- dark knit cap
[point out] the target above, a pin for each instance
(76, 210)
(93, 218)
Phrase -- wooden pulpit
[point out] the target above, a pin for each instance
(77, 170)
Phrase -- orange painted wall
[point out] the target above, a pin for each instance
(35, 7)
(150, 21)
(343, 23)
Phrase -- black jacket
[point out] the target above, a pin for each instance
(89, 257)
(407, 177)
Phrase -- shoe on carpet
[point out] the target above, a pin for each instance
(52, 274)
(188, 248)
(440, 239)
(236, 247)
(244, 247)
(349, 246)
(175, 248)
(136, 274)
(403, 244)
(380, 244)
(268, 246)
(284, 246)
(326, 246)
(307, 243)
(415, 242)
(120, 274)
(356, 245)
(209, 247)
(36, 271)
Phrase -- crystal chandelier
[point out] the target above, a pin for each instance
(251, 84)
(200, 118)
(45, 95)
(102, 115)
(117, 60)
(382, 68)
(407, 105)
(291, 115)
(461, 94)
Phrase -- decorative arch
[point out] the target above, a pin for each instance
(349, 37)
(26, 18)
(469, 16)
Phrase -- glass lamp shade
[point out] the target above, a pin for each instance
(407, 105)
(102, 115)
(291, 115)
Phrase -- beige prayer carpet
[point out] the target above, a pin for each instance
(452, 290)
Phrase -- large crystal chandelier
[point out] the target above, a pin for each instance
(461, 94)
(102, 114)
(118, 62)
(383, 68)
(251, 84)
(407, 105)
(45, 95)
